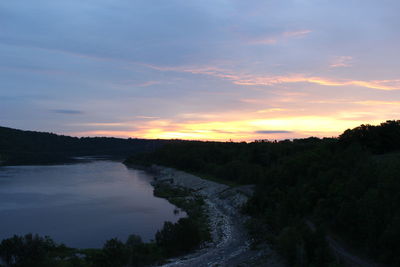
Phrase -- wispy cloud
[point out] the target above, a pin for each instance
(268, 110)
(298, 33)
(68, 111)
(387, 85)
(148, 83)
(268, 80)
(341, 61)
(264, 41)
(198, 71)
(300, 78)
(378, 102)
(147, 117)
(272, 131)
(106, 124)
(240, 128)
(274, 39)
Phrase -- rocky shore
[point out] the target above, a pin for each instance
(230, 245)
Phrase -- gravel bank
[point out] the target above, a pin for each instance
(230, 244)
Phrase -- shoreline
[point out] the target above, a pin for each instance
(230, 242)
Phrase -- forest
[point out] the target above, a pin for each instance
(347, 187)
(173, 239)
(28, 147)
(306, 189)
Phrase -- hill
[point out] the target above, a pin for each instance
(29, 147)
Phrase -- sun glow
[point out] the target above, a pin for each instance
(241, 129)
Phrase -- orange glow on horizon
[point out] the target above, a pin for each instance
(239, 130)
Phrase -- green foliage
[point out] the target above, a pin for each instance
(115, 253)
(349, 186)
(237, 163)
(303, 247)
(33, 250)
(172, 240)
(379, 139)
(192, 205)
(179, 238)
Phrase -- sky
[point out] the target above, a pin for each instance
(199, 69)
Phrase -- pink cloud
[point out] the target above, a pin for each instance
(268, 80)
(297, 33)
(148, 83)
(342, 61)
(274, 39)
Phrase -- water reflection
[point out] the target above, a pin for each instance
(81, 205)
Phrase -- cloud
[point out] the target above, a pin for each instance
(106, 124)
(199, 65)
(146, 117)
(272, 132)
(271, 110)
(149, 83)
(387, 85)
(274, 39)
(240, 128)
(378, 102)
(341, 61)
(268, 80)
(298, 33)
(68, 111)
(264, 41)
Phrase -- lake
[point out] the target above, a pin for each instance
(81, 205)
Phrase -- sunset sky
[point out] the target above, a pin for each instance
(204, 69)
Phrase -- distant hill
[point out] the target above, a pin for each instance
(30, 147)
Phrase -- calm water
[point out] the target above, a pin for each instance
(81, 205)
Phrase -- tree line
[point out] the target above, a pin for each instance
(173, 239)
(347, 187)
(28, 147)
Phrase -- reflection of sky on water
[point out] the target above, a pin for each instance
(82, 204)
